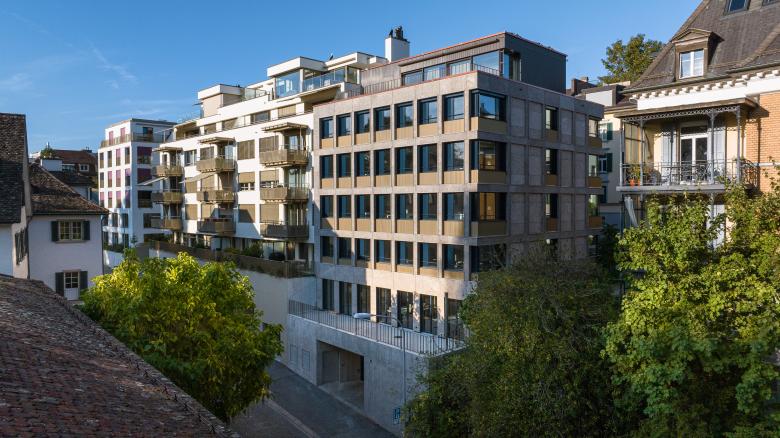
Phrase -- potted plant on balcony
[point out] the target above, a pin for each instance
(632, 175)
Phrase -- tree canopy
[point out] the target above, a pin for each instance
(196, 323)
(532, 365)
(627, 62)
(695, 348)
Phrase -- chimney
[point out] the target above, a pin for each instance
(396, 46)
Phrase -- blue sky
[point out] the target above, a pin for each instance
(76, 67)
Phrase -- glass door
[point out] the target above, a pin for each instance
(693, 155)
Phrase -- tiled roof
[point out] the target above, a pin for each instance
(52, 196)
(13, 158)
(63, 375)
(69, 156)
(72, 178)
(742, 40)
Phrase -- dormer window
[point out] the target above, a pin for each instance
(692, 63)
(736, 5)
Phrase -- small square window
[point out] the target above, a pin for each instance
(691, 63)
(70, 230)
(71, 280)
(737, 5)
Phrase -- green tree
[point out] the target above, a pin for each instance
(532, 364)
(627, 62)
(196, 324)
(692, 351)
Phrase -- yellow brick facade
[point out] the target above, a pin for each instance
(762, 136)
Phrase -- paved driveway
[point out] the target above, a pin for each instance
(299, 409)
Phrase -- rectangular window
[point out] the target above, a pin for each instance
(428, 255)
(345, 248)
(404, 160)
(427, 158)
(429, 111)
(593, 127)
(288, 84)
(345, 298)
(326, 246)
(363, 163)
(363, 249)
(326, 166)
(488, 106)
(383, 305)
(453, 206)
(363, 205)
(326, 127)
(453, 107)
(382, 162)
(427, 206)
(488, 155)
(71, 279)
(551, 161)
(327, 295)
(345, 206)
(403, 251)
(246, 186)
(454, 324)
(488, 206)
(605, 163)
(246, 149)
(551, 205)
(412, 78)
(70, 230)
(382, 119)
(262, 116)
(487, 62)
(403, 206)
(363, 298)
(593, 165)
(429, 314)
(405, 314)
(362, 122)
(739, 5)
(189, 157)
(458, 67)
(605, 131)
(434, 72)
(487, 257)
(326, 206)
(382, 205)
(593, 205)
(344, 125)
(382, 252)
(343, 165)
(692, 63)
(551, 118)
(453, 257)
(453, 156)
(404, 115)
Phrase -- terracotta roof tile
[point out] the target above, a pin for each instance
(13, 158)
(52, 196)
(64, 375)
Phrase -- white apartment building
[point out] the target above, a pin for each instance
(124, 163)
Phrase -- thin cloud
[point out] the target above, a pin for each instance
(120, 70)
(16, 83)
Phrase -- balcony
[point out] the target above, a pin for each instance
(167, 170)
(218, 226)
(284, 157)
(704, 176)
(212, 195)
(167, 223)
(414, 342)
(276, 268)
(216, 164)
(282, 194)
(281, 230)
(148, 138)
(168, 197)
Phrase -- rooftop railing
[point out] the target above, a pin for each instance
(133, 136)
(414, 342)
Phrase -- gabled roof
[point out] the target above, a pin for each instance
(63, 375)
(69, 156)
(740, 41)
(52, 196)
(72, 178)
(13, 158)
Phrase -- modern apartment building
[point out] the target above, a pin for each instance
(125, 163)
(437, 167)
(707, 109)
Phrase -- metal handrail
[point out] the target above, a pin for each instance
(688, 173)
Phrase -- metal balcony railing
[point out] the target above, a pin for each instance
(688, 173)
(414, 342)
(149, 138)
(284, 156)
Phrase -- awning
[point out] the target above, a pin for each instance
(152, 181)
(283, 127)
(199, 177)
(216, 140)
